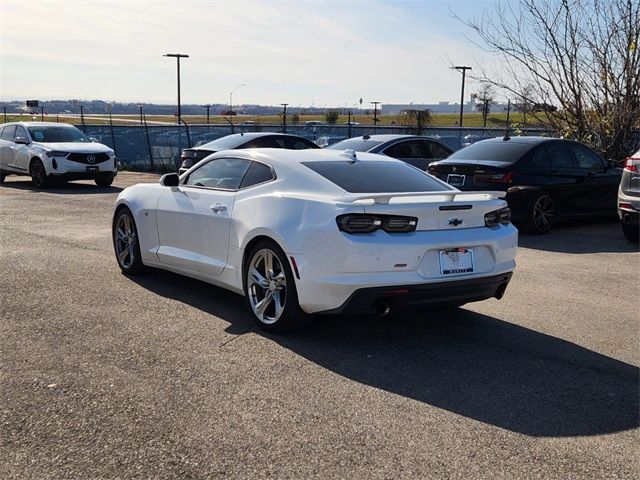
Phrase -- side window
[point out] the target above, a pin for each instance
(224, 173)
(257, 173)
(20, 132)
(296, 144)
(540, 160)
(587, 160)
(436, 150)
(7, 133)
(560, 156)
(410, 149)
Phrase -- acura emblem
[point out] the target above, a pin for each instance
(91, 159)
(454, 222)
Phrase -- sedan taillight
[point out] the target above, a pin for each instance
(494, 177)
(631, 164)
(363, 223)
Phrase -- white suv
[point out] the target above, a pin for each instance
(47, 151)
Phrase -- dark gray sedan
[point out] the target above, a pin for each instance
(415, 150)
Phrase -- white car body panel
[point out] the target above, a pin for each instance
(178, 230)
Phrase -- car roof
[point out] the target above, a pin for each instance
(38, 124)
(281, 156)
(528, 140)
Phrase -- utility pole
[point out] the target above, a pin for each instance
(140, 106)
(42, 114)
(178, 56)
(207, 107)
(82, 114)
(349, 125)
(284, 117)
(375, 113)
(463, 69)
(4, 111)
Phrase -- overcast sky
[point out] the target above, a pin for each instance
(298, 51)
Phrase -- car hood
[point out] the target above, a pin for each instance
(73, 147)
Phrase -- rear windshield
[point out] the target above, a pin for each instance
(55, 134)
(357, 144)
(498, 151)
(230, 142)
(376, 177)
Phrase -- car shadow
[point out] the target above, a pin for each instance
(484, 368)
(62, 188)
(573, 237)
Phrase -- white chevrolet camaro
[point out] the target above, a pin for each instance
(318, 231)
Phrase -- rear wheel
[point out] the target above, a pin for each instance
(126, 243)
(270, 289)
(540, 215)
(631, 232)
(39, 176)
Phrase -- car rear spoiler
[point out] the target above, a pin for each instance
(386, 197)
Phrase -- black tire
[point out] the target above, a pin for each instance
(631, 232)
(39, 176)
(126, 244)
(288, 316)
(540, 215)
(103, 181)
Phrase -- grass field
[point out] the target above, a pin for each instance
(498, 119)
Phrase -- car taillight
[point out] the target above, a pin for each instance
(363, 223)
(631, 164)
(503, 216)
(494, 177)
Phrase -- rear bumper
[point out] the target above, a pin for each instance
(367, 300)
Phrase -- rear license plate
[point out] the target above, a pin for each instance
(456, 180)
(92, 169)
(456, 260)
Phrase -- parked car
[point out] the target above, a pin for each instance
(191, 156)
(629, 198)
(318, 231)
(545, 179)
(417, 151)
(49, 151)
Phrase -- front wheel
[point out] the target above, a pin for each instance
(104, 181)
(126, 243)
(270, 289)
(39, 176)
(540, 215)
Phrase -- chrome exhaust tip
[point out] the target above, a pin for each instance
(382, 309)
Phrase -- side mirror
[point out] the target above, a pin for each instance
(21, 140)
(94, 140)
(170, 180)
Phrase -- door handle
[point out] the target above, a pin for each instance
(218, 208)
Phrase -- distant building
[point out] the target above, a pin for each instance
(471, 106)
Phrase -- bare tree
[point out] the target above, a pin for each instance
(485, 96)
(582, 55)
(417, 119)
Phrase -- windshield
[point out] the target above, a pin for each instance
(376, 177)
(356, 144)
(57, 134)
(490, 150)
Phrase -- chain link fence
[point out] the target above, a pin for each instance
(158, 148)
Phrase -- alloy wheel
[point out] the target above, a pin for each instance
(126, 241)
(266, 286)
(543, 213)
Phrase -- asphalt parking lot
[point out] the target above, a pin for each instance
(159, 376)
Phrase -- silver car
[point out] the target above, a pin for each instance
(629, 198)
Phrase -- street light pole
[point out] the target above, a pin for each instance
(463, 69)
(207, 107)
(231, 97)
(284, 117)
(178, 56)
(375, 113)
